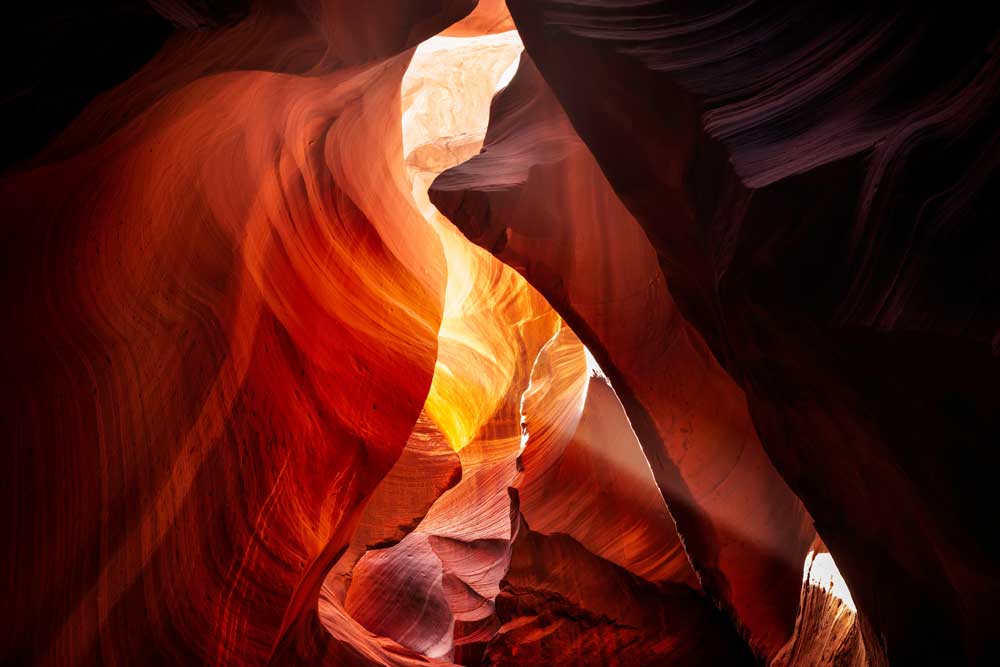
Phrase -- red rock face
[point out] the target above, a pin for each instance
(830, 259)
(205, 385)
(537, 198)
(350, 334)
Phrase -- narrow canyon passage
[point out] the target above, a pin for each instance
(509, 333)
(534, 452)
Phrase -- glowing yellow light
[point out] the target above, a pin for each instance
(446, 96)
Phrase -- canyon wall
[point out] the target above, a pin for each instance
(436, 332)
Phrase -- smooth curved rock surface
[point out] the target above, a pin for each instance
(536, 197)
(434, 592)
(818, 209)
(204, 373)
(584, 474)
(733, 271)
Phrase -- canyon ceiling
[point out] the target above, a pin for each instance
(612, 333)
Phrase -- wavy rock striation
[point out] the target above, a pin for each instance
(227, 326)
(537, 198)
(816, 185)
(728, 311)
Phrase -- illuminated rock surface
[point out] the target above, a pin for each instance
(226, 336)
(538, 199)
(818, 210)
(364, 334)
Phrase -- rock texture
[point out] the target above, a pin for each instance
(537, 198)
(597, 575)
(816, 185)
(563, 439)
(827, 631)
(367, 334)
(225, 334)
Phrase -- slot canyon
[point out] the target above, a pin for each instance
(599, 333)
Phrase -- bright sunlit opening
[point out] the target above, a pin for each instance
(446, 96)
(822, 572)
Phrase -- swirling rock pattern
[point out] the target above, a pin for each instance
(537, 198)
(581, 460)
(836, 262)
(729, 310)
(206, 286)
(602, 578)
